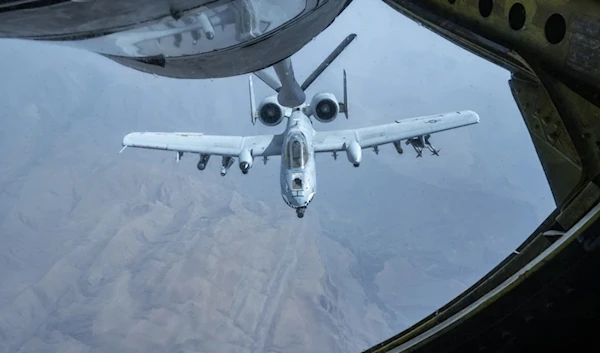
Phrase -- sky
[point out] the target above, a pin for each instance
(101, 251)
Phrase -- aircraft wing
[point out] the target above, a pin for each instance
(264, 145)
(330, 141)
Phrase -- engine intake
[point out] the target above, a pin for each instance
(270, 113)
(325, 107)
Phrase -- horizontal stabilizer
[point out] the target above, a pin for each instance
(253, 116)
(344, 104)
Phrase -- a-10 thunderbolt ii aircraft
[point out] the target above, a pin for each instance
(299, 142)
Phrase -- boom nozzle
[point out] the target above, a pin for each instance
(291, 94)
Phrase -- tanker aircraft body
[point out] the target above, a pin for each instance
(299, 142)
(191, 39)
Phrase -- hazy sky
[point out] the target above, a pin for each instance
(100, 251)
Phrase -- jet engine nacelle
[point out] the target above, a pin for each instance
(246, 161)
(324, 107)
(354, 153)
(270, 112)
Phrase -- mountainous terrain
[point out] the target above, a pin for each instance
(126, 253)
(101, 252)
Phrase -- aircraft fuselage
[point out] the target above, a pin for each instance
(298, 173)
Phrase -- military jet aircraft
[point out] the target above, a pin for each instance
(299, 142)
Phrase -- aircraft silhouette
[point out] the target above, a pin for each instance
(299, 142)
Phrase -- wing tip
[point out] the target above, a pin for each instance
(474, 115)
(127, 138)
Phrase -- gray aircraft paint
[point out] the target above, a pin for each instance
(299, 128)
(298, 179)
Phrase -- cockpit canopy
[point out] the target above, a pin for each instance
(296, 152)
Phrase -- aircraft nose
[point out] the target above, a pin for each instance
(302, 201)
(299, 201)
(294, 201)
